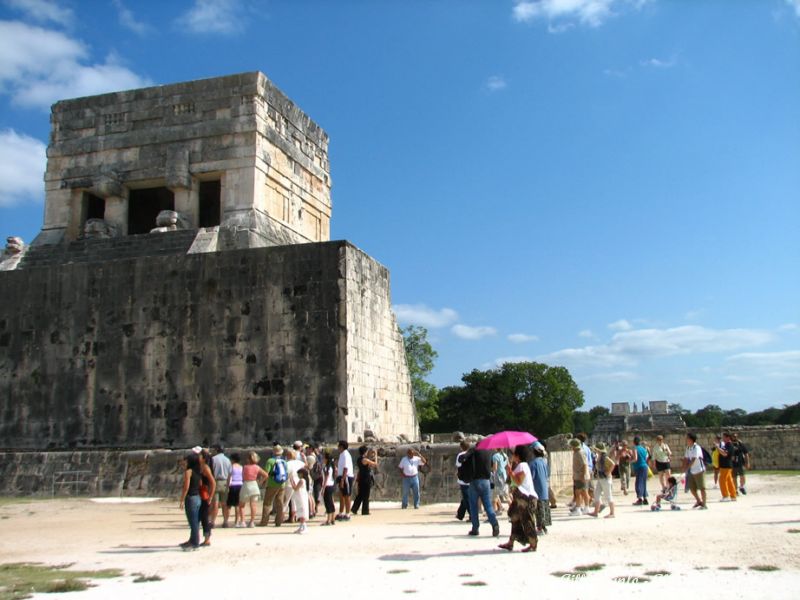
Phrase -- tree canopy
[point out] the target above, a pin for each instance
(420, 357)
(525, 396)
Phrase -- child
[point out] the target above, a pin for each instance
(299, 482)
(234, 487)
(669, 494)
(328, 487)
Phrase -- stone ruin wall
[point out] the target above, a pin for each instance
(270, 158)
(242, 347)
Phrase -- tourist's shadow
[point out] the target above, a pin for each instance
(139, 549)
(417, 557)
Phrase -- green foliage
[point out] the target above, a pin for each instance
(527, 396)
(716, 418)
(420, 357)
(584, 421)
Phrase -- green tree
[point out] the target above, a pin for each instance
(527, 396)
(420, 357)
(585, 421)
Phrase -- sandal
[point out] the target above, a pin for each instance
(508, 547)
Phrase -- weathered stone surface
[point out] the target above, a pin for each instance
(244, 346)
(99, 229)
(12, 254)
(270, 158)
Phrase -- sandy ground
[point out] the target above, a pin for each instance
(395, 553)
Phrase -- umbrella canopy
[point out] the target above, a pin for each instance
(506, 439)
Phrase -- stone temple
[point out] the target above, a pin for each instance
(183, 288)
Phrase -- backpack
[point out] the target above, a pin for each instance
(706, 456)
(466, 469)
(316, 471)
(279, 473)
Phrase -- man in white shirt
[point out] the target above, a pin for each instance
(222, 470)
(345, 478)
(409, 468)
(695, 468)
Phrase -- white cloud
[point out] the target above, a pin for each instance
(621, 325)
(213, 16)
(129, 21)
(521, 338)
(587, 12)
(22, 166)
(628, 347)
(41, 66)
(496, 83)
(586, 333)
(796, 5)
(612, 376)
(789, 326)
(776, 364)
(466, 332)
(618, 73)
(43, 11)
(419, 314)
(659, 63)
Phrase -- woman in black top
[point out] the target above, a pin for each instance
(364, 464)
(190, 500)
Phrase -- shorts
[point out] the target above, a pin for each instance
(345, 489)
(249, 491)
(738, 470)
(662, 466)
(221, 491)
(697, 481)
(602, 488)
(233, 495)
(580, 484)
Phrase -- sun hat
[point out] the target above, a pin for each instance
(600, 447)
(277, 450)
(575, 443)
(197, 449)
(297, 444)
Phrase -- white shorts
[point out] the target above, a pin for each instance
(249, 491)
(602, 488)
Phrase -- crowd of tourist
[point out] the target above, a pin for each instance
(296, 484)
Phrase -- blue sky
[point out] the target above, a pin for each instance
(608, 185)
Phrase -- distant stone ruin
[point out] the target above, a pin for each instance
(624, 419)
(183, 288)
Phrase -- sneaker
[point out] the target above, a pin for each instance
(675, 507)
(725, 499)
(743, 491)
(575, 512)
(250, 524)
(703, 507)
(472, 532)
(496, 530)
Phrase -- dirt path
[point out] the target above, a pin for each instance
(397, 553)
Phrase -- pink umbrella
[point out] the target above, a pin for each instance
(506, 439)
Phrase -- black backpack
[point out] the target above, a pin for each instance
(706, 456)
(466, 470)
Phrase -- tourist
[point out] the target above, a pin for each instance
(669, 493)
(623, 458)
(662, 457)
(293, 465)
(190, 499)
(250, 494)
(640, 471)
(715, 458)
(463, 507)
(298, 480)
(208, 487)
(328, 487)
(741, 461)
(222, 472)
(726, 483)
(522, 509)
(580, 477)
(275, 491)
(499, 481)
(234, 488)
(604, 467)
(409, 469)
(345, 477)
(541, 483)
(316, 473)
(364, 465)
(299, 453)
(695, 469)
(590, 459)
(311, 464)
(476, 468)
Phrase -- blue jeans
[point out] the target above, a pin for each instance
(480, 489)
(641, 482)
(411, 483)
(192, 507)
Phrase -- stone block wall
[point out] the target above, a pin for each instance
(244, 346)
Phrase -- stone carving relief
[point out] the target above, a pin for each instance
(170, 220)
(99, 229)
(12, 254)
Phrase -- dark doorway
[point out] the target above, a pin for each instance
(208, 213)
(94, 207)
(144, 206)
